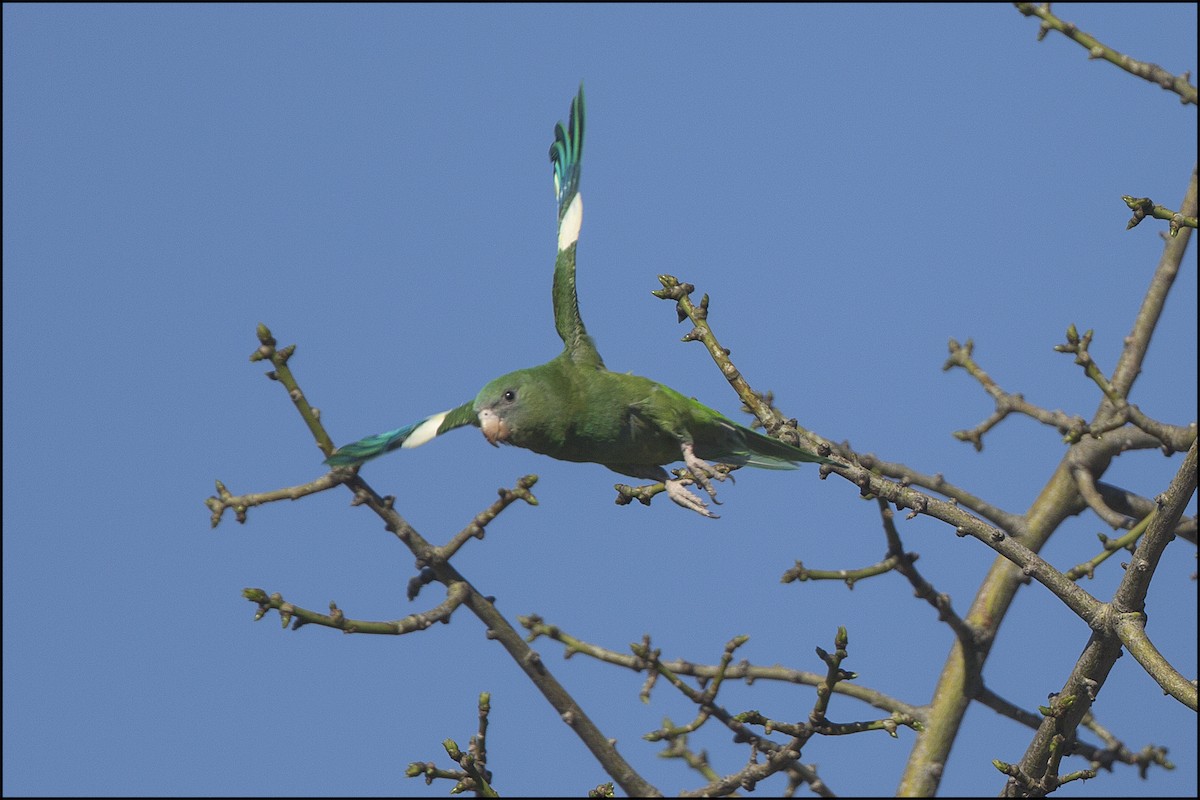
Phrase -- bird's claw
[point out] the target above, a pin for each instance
(682, 497)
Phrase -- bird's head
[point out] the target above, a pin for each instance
(506, 406)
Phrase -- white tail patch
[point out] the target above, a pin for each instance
(425, 431)
(568, 229)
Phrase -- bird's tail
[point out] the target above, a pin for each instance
(565, 155)
(413, 435)
(768, 453)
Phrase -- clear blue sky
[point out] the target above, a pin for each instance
(852, 186)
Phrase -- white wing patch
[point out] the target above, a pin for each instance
(568, 229)
(425, 431)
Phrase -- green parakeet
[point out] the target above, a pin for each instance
(573, 409)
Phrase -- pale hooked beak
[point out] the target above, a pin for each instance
(495, 430)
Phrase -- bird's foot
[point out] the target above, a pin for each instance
(702, 472)
(699, 472)
(682, 497)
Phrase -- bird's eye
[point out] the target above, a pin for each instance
(510, 395)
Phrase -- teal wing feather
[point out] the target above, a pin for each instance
(566, 155)
(413, 435)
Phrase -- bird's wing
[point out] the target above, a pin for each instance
(409, 436)
(565, 155)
